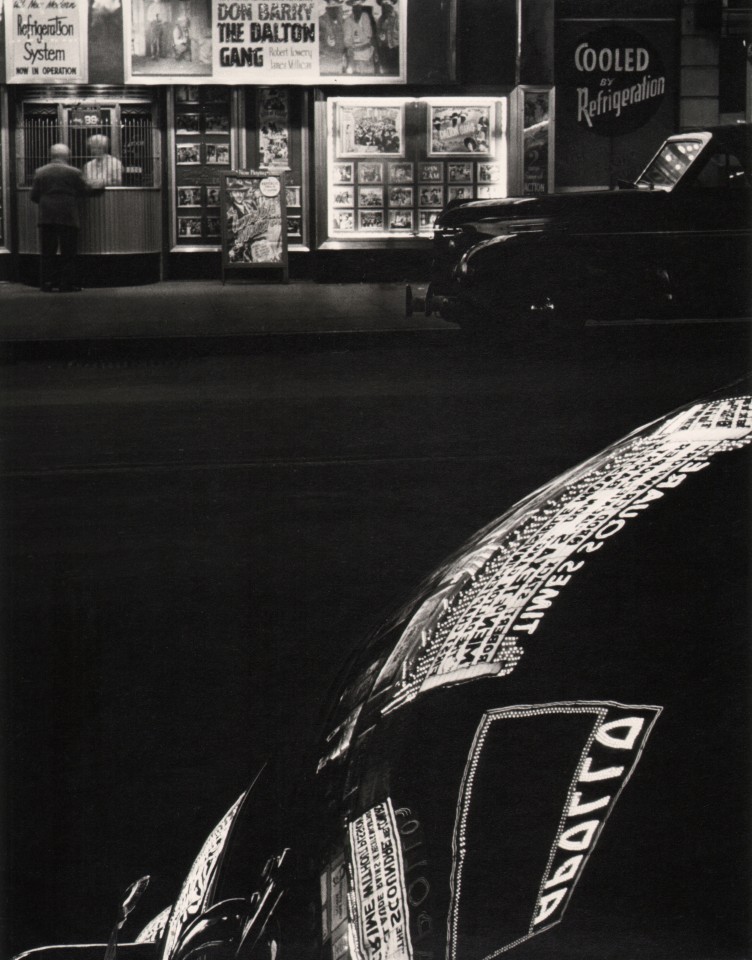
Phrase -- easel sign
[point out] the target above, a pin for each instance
(254, 222)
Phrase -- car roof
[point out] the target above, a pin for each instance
(732, 133)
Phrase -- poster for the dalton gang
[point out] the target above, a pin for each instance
(46, 41)
(263, 42)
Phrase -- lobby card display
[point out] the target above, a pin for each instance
(253, 220)
(202, 152)
(370, 127)
(276, 142)
(536, 141)
(394, 164)
(3, 169)
(461, 127)
(273, 127)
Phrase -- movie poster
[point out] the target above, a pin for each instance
(253, 220)
(263, 42)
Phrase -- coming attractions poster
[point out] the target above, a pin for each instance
(265, 42)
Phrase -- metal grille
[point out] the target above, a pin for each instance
(131, 141)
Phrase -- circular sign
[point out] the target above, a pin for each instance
(617, 79)
(269, 186)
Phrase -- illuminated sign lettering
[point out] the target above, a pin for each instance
(197, 886)
(484, 608)
(545, 848)
(613, 79)
(382, 919)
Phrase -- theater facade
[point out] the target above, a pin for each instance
(372, 116)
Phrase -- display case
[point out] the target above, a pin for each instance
(388, 165)
(203, 146)
(277, 140)
(4, 167)
(531, 141)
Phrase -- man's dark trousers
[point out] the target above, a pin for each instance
(52, 235)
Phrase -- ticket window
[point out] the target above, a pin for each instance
(129, 132)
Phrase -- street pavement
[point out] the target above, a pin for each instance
(206, 309)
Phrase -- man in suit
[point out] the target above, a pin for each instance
(57, 188)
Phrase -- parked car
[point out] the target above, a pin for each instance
(556, 727)
(676, 242)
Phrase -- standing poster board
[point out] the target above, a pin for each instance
(254, 221)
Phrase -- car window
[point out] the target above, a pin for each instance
(670, 163)
(723, 169)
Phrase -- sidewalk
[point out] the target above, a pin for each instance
(205, 309)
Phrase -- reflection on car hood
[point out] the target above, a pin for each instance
(487, 732)
(474, 617)
(593, 635)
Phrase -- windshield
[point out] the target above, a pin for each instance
(670, 164)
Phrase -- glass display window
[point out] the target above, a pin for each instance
(392, 164)
(202, 147)
(4, 167)
(277, 141)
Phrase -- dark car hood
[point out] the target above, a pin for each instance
(481, 739)
(554, 207)
(616, 592)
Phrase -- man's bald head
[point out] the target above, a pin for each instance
(59, 153)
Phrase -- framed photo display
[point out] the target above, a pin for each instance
(344, 220)
(370, 196)
(400, 196)
(189, 196)
(400, 220)
(189, 227)
(370, 173)
(400, 173)
(343, 173)
(372, 220)
(460, 172)
(461, 127)
(432, 196)
(426, 219)
(187, 123)
(343, 196)
(370, 128)
(218, 153)
(188, 153)
(217, 123)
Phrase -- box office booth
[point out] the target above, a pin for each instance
(121, 222)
